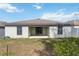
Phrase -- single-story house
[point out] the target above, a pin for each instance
(39, 28)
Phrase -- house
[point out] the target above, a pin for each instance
(40, 28)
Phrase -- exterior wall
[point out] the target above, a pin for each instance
(76, 31)
(11, 31)
(53, 31)
(67, 31)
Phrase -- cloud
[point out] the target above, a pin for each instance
(61, 17)
(61, 10)
(37, 6)
(9, 8)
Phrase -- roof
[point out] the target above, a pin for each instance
(73, 22)
(34, 22)
(2, 24)
(41, 22)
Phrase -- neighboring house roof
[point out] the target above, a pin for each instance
(2, 24)
(73, 22)
(34, 22)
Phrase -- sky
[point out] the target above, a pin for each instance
(50, 11)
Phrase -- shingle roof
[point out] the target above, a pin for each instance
(41, 22)
(34, 22)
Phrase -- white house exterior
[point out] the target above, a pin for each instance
(40, 28)
(11, 31)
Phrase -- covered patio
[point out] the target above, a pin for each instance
(38, 31)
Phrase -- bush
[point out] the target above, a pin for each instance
(63, 47)
(66, 47)
(6, 37)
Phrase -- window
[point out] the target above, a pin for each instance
(60, 30)
(19, 30)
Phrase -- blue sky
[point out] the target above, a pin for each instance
(50, 11)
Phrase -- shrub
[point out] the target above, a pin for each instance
(66, 47)
(63, 47)
(6, 37)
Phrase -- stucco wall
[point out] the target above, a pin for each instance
(67, 31)
(11, 31)
(76, 31)
(53, 31)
